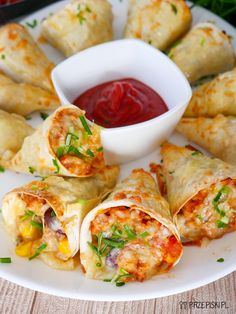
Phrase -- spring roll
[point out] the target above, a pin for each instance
(44, 217)
(14, 130)
(147, 20)
(23, 99)
(79, 25)
(22, 59)
(217, 135)
(214, 97)
(204, 51)
(64, 144)
(201, 192)
(130, 236)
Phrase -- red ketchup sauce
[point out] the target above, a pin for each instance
(121, 103)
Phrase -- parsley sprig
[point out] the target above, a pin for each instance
(221, 197)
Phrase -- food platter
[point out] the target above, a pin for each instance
(197, 267)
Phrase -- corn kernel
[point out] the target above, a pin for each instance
(24, 249)
(28, 231)
(63, 247)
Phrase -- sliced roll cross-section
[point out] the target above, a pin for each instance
(44, 217)
(65, 144)
(130, 236)
(201, 192)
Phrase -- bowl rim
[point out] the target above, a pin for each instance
(140, 44)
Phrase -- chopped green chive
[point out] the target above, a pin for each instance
(3, 57)
(68, 139)
(115, 244)
(28, 214)
(60, 152)
(32, 170)
(100, 149)
(33, 24)
(36, 224)
(5, 260)
(221, 224)
(75, 151)
(220, 260)
(196, 153)
(120, 283)
(174, 8)
(130, 233)
(38, 251)
(44, 115)
(53, 214)
(144, 234)
(85, 125)
(54, 161)
(200, 217)
(2, 169)
(34, 187)
(90, 153)
(88, 9)
(202, 42)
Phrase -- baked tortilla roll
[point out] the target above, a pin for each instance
(214, 97)
(24, 98)
(217, 135)
(130, 236)
(45, 216)
(205, 50)
(13, 131)
(79, 25)
(147, 20)
(201, 192)
(64, 145)
(22, 59)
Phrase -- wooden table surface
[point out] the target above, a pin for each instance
(17, 300)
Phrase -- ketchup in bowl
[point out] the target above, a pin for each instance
(121, 103)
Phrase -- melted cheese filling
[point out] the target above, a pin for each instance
(34, 228)
(148, 246)
(79, 152)
(209, 214)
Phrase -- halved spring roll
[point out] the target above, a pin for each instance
(205, 50)
(147, 20)
(130, 236)
(13, 131)
(25, 98)
(201, 192)
(44, 217)
(79, 25)
(64, 144)
(214, 97)
(217, 135)
(22, 59)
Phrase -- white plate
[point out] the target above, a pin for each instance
(198, 265)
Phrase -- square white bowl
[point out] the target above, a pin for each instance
(127, 58)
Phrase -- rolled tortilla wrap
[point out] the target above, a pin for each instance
(217, 135)
(64, 144)
(79, 25)
(147, 20)
(130, 236)
(214, 97)
(23, 99)
(48, 214)
(22, 59)
(205, 50)
(201, 192)
(13, 131)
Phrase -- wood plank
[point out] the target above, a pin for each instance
(15, 299)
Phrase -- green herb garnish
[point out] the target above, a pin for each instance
(38, 251)
(174, 8)
(202, 42)
(33, 24)
(85, 125)
(32, 170)
(196, 153)
(36, 224)
(5, 260)
(54, 161)
(44, 115)
(130, 233)
(144, 235)
(28, 214)
(90, 153)
(221, 224)
(80, 16)
(53, 214)
(2, 169)
(100, 149)
(220, 260)
(200, 217)
(3, 57)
